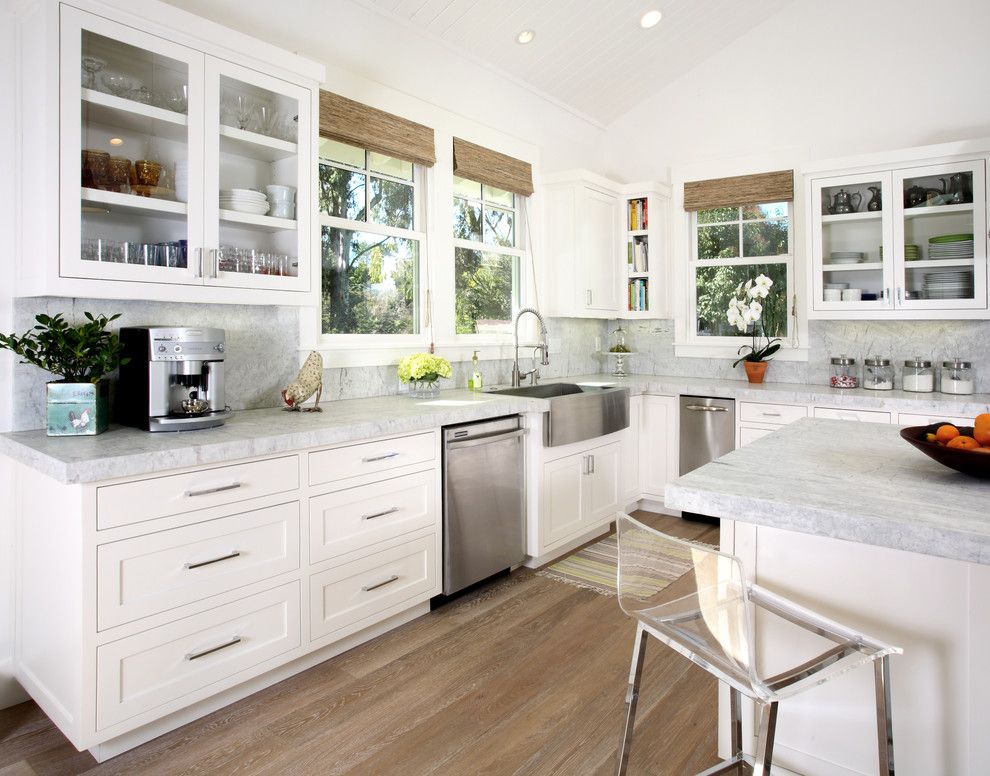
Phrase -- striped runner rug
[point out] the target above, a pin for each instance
(594, 568)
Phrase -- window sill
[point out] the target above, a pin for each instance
(701, 350)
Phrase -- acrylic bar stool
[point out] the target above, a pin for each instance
(696, 601)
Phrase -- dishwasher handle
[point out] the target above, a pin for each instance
(705, 408)
(486, 439)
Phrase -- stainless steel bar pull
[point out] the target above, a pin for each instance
(770, 414)
(705, 408)
(228, 556)
(390, 580)
(373, 515)
(211, 650)
(218, 489)
(592, 459)
(374, 458)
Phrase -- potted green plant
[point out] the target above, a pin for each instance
(746, 309)
(82, 356)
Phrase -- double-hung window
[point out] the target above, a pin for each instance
(372, 242)
(488, 252)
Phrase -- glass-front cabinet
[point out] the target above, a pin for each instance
(178, 167)
(904, 242)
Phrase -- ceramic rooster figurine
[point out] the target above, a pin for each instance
(307, 382)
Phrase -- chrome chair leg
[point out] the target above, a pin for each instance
(885, 730)
(632, 696)
(764, 744)
(735, 722)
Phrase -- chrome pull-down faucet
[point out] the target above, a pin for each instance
(543, 347)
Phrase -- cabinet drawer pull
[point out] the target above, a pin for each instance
(218, 489)
(373, 515)
(198, 564)
(211, 650)
(385, 457)
(592, 468)
(390, 580)
(770, 414)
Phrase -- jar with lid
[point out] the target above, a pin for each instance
(958, 377)
(919, 376)
(843, 373)
(878, 373)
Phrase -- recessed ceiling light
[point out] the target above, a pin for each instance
(650, 19)
(116, 141)
(526, 36)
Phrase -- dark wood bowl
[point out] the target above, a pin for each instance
(965, 461)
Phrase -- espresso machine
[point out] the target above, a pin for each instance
(174, 379)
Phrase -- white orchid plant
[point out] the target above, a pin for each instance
(745, 311)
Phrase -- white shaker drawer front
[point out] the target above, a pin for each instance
(360, 590)
(370, 457)
(161, 665)
(841, 413)
(352, 519)
(749, 434)
(912, 419)
(149, 574)
(782, 414)
(134, 502)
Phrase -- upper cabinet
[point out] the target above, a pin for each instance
(181, 174)
(605, 247)
(905, 241)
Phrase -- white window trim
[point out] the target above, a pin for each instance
(688, 344)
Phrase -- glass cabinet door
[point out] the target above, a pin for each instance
(852, 239)
(131, 131)
(258, 179)
(941, 223)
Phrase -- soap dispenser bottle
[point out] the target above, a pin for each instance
(475, 383)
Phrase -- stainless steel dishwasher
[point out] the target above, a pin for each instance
(484, 508)
(707, 431)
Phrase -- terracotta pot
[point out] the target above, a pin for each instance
(756, 370)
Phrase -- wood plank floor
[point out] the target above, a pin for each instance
(525, 676)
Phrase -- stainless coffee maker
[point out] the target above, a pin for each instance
(174, 379)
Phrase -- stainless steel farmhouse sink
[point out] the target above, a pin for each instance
(577, 412)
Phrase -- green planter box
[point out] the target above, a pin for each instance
(78, 409)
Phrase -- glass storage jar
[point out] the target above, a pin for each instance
(843, 373)
(878, 373)
(919, 376)
(958, 377)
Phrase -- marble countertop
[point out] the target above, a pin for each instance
(854, 481)
(122, 452)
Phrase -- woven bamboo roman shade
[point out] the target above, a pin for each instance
(740, 190)
(477, 163)
(385, 133)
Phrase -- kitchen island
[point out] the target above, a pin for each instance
(850, 520)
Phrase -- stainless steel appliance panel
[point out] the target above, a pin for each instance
(484, 511)
(707, 430)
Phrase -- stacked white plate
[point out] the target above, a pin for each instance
(950, 284)
(244, 201)
(845, 257)
(958, 249)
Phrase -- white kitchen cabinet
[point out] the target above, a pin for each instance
(917, 419)
(658, 445)
(844, 413)
(644, 291)
(149, 125)
(629, 465)
(750, 433)
(918, 252)
(755, 420)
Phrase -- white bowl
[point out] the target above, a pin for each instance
(833, 295)
(279, 193)
(852, 294)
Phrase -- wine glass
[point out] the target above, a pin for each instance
(92, 66)
(244, 108)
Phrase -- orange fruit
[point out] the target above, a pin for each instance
(981, 429)
(946, 433)
(963, 442)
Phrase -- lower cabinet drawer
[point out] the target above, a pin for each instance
(358, 594)
(841, 413)
(749, 434)
(150, 574)
(781, 414)
(351, 519)
(370, 457)
(172, 662)
(913, 419)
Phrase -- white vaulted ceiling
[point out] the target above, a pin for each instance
(591, 55)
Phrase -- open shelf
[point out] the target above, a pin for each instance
(268, 223)
(938, 210)
(868, 215)
(116, 202)
(121, 113)
(637, 232)
(873, 265)
(935, 263)
(254, 145)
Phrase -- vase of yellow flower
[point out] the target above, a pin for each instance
(422, 373)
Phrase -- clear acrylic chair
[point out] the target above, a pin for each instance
(697, 601)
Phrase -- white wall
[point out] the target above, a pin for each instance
(819, 80)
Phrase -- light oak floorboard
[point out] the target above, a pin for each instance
(525, 676)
